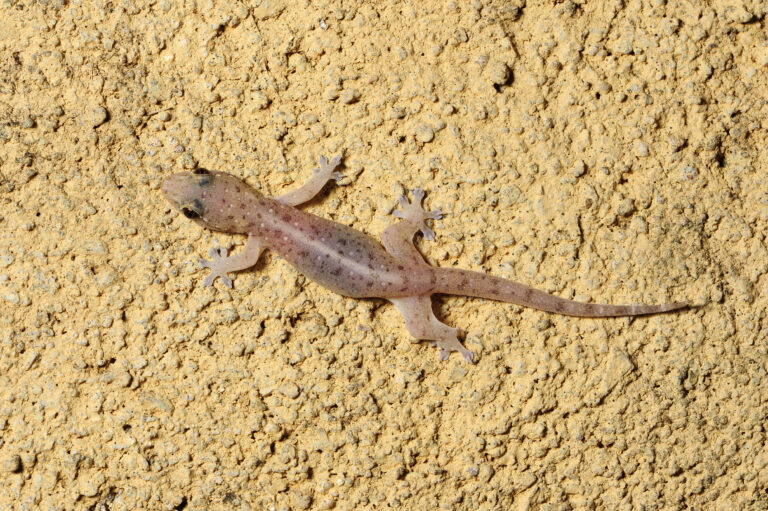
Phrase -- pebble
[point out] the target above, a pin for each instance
(12, 464)
(499, 73)
(350, 96)
(95, 116)
(424, 133)
(290, 390)
(641, 148)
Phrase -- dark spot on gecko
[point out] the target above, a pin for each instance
(342, 241)
(336, 272)
(400, 267)
(237, 189)
(286, 218)
(230, 217)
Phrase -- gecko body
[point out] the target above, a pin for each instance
(349, 262)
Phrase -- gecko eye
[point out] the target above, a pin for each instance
(201, 171)
(190, 213)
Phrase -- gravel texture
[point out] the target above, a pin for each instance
(605, 151)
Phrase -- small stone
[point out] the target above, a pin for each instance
(626, 208)
(95, 117)
(498, 72)
(424, 133)
(676, 142)
(641, 148)
(738, 14)
(237, 349)
(188, 161)
(579, 168)
(89, 487)
(301, 500)
(124, 378)
(350, 96)
(12, 464)
(260, 100)
(290, 390)
(398, 112)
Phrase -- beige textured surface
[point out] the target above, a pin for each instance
(610, 151)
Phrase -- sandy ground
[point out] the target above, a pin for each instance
(604, 151)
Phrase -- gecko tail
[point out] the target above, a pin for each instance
(452, 281)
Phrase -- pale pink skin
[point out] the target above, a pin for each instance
(349, 262)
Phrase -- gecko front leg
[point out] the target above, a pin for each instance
(220, 264)
(321, 175)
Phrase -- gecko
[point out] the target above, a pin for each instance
(350, 262)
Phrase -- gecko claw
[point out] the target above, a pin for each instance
(218, 257)
(414, 213)
(327, 168)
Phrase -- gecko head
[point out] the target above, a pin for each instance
(207, 197)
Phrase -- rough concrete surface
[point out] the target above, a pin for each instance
(605, 151)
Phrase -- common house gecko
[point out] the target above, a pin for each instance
(351, 263)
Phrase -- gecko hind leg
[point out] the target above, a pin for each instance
(421, 322)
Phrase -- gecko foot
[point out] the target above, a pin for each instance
(218, 267)
(414, 213)
(327, 168)
(449, 345)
